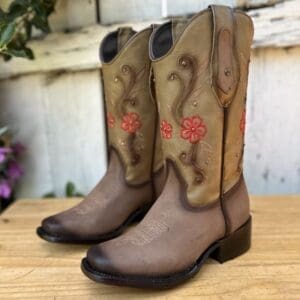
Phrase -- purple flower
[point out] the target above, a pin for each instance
(14, 170)
(5, 189)
(3, 153)
(18, 149)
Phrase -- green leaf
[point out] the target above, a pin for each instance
(25, 52)
(40, 10)
(79, 195)
(7, 34)
(6, 57)
(28, 29)
(70, 189)
(18, 8)
(41, 23)
(49, 195)
(29, 53)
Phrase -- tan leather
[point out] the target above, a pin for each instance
(236, 112)
(205, 197)
(184, 91)
(131, 182)
(127, 92)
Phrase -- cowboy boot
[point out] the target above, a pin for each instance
(134, 173)
(200, 71)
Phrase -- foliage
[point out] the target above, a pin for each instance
(70, 191)
(16, 25)
(10, 169)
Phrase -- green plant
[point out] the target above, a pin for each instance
(70, 191)
(16, 25)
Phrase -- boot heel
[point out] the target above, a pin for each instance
(234, 245)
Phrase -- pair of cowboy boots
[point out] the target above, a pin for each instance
(183, 169)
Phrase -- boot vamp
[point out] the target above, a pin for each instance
(103, 210)
(170, 239)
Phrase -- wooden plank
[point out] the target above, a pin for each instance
(34, 269)
(135, 10)
(68, 15)
(272, 161)
(71, 15)
(59, 118)
(256, 3)
(120, 11)
(278, 26)
(179, 7)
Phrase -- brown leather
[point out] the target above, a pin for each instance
(225, 75)
(205, 197)
(105, 208)
(130, 181)
(236, 205)
(171, 237)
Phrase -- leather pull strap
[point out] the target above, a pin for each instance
(224, 65)
(124, 34)
(178, 25)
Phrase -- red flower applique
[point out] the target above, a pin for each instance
(131, 122)
(166, 129)
(243, 122)
(110, 120)
(193, 129)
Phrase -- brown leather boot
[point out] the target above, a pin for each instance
(127, 191)
(200, 71)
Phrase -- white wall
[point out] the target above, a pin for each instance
(59, 118)
(272, 160)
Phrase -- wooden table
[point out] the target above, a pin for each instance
(31, 268)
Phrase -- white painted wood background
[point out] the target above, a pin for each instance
(54, 105)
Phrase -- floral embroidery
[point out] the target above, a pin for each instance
(243, 122)
(166, 129)
(193, 129)
(110, 120)
(131, 122)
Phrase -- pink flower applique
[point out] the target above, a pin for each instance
(131, 122)
(193, 129)
(166, 129)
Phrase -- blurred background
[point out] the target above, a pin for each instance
(51, 112)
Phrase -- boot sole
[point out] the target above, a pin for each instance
(136, 216)
(223, 250)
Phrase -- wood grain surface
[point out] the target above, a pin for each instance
(31, 268)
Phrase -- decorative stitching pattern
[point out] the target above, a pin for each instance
(130, 121)
(243, 122)
(110, 120)
(193, 128)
